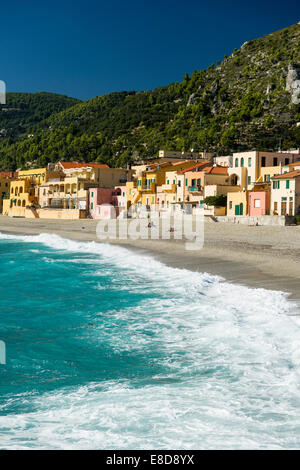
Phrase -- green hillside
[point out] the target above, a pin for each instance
(24, 112)
(240, 103)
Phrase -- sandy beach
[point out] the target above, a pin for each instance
(259, 256)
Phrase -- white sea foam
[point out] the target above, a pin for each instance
(233, 358)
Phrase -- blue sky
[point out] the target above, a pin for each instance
(88, 48)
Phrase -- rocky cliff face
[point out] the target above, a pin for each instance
(293, 82)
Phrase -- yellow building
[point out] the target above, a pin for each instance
(143, 191)
(237, 203)
(71, 191)
(24, 192)
(35, 177)
(4, 189)
(265, 174)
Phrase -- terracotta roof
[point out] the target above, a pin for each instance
(197, 165)
(157, 167)
(9, 174)
(216, 170)
(292, 164)
(289, 174)
(179, 163)
(69, 165)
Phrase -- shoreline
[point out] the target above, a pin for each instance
(257, 257)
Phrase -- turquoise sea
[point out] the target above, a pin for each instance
(107, 349)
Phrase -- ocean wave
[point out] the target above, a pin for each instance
(222, 362)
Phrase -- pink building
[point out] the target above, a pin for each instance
(160, 198)
(100, 198)
(119, 197)
(258, 203)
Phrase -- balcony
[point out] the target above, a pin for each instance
(194, 189)
(149, 187)
(169, 188)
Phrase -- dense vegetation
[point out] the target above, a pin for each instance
(238, 104)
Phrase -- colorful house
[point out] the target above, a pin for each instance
(247, 166)
(6, 179)
(143, 191)
(196, 179)
(291, 167)
(72, 190)
(285, 193)
(101, 197)
(237, 203)
(259, 201)
(25, 191)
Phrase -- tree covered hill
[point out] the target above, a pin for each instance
(240, 103)
(24, 112)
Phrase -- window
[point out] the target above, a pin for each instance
(168, 181)
(230, 204)
(263, 161)
(275, 161)
(242, 162)
(249, 179)
(267, 178)
(186, 182)
(173, 181)
(92, 205)
(283, 206)
(276, 184)
(256, 202)
(249, 162)
(179, 183)
(287, 184)
(275, 206)
(199, 182)
(236, 162)
(286, 161)
(92, 194)
(291, 206)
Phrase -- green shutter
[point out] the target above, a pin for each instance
(287, 184)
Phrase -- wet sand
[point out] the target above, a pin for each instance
(261, 257)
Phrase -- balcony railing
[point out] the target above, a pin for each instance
(194, 189)
(169, 187)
